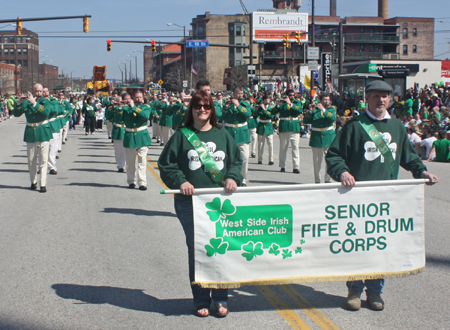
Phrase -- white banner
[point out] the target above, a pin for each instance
(307, 235)
(271, 26)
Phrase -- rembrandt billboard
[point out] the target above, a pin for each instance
(270, 26)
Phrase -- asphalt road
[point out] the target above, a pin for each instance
(92, 254)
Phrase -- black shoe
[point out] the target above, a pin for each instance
(53, 172)
(57, 157)
(64, 143)
(271, 163)
(109, 137)
(283, 169)
(157, 141)
(161, 144)
(33, 186)
(43, 189)
(65, 139)
(296, 171)
(132, 186)
(244, 185)
(260, 162)
(120, 170)
(142, 188)
(59, 151)
(253, 155)
(38, 172)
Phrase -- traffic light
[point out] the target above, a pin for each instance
(298, 36)
(19, 27)
(286, 40)
(86, 24)
(108, 45)
(153, 46)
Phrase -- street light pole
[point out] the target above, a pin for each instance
(184, 47)
(135, 63)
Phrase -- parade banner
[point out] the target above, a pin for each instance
(309, 233)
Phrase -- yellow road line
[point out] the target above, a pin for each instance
(317, 316)
(282, 308)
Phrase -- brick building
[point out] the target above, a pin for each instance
(7, 78)
(23, 51)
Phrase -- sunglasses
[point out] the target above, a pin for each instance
(199, 106)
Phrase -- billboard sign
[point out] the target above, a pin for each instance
(271, 26)
(326, 68)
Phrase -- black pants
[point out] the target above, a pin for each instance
(89, 124)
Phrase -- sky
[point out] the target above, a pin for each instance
(147, 19)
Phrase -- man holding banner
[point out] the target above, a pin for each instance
(371, 147)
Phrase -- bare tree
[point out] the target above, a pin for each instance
(174, 77)
(6, 83)
(238, 79)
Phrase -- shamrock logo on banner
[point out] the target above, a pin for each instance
(217, 246)
(372, 151)
(252, 250)
(219, 211)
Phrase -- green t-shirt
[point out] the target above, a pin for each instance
(442, 151)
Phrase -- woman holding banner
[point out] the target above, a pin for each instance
(200, 155)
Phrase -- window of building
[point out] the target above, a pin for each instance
(19, 40)
(24, 51)
(6, 51)
(405, 33)
(238, 62)
(371, 48)
(361, 30)
(238, 50)
(238, 30)
(415, 49)
(361, 48)
(19, 51)
(11, 51)
(232, 29)
(11, 61)
(371, 31)
(415, 32)
(243, 30)
(25, 62)
(11, 40)
(19, 62)
(405, 49)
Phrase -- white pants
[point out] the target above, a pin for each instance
(65, 130)
(119, 153)
(167, 132)
(33, 150)
(253, 140)
(318, 155)
(244, 149)
(294, 139)
(109, 127)
(141, 169)
(261, 141)
(156, 131)
(60, 140)
(53, 151)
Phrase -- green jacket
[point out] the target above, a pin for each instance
(354, 151)
(89, 110)
(218, 107)
(291, 112)
(234, 116)
(118, 131)
(177, 111)
(68, 111)
(264, 115)
(407, 107)
(34, 115)
(179, 161)
(134, 118)
(319, 121)
(252, 120)
(165, 119)
(55, 111)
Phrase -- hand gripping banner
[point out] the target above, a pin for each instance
(307, 233)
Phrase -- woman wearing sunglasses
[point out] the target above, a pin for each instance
(181, 168)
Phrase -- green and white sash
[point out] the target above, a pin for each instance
(376, 137)
(204, 155)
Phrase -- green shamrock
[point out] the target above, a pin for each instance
(217, 246)
(287, 253)
(252, 250)
(302, 241)
(218, 212)
(274, 249)
(298, 250)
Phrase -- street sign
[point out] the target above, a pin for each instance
(313, 65)
(312, 53)
(251, 70)
(197, 43)
(185, 83)
(160, 82)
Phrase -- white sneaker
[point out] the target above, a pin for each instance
(92, 133)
